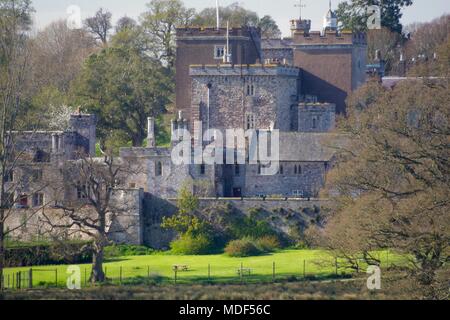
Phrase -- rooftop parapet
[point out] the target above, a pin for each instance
(330, 38)
(188, 32)
(244, 70)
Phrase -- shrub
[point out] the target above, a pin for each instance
(193, 245)
(268, 244)
(127, 250)
(242, 248)
(51, 253)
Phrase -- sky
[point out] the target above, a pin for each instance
(282, 10)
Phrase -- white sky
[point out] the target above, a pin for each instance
(282, 10)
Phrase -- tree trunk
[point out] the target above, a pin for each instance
(97, 274)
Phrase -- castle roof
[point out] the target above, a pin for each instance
(310, 147)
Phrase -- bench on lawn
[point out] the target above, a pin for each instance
(245, 271)
(181, 267)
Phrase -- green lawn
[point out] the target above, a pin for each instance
(288, 264)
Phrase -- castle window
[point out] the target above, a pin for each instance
(202, 169)
(159, 169)
(9, 177)
(295, 169)
(314, 123)
(219, 52)
(41, 156)
(237, 170)
(38, 199)
(250, 90)
(250, 121)
(23, 201)
(281, 171)
(259, 168)
(81, 192)
(299, 170)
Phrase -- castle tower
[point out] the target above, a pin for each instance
(208, 46)
(84, 125)
(333, 64)
(330, 21)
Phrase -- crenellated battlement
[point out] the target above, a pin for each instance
(329, 38)
(243, 32)
(244, 70)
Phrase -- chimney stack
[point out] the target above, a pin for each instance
(151, 140)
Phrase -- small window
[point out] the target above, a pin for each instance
(299, 169)
(9, 177)
(237, 170)
(41, 156)
(202, 169)
(23, 201)
(219, 52)
(250, 90)
(159, 169)
(81, 192)
(132, 185)
(38, 200)
(250, 121)
(314, 123)
(281, 171)
(259, 168)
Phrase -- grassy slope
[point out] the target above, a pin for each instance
(223, 269)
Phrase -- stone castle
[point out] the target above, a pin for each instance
(228, 79)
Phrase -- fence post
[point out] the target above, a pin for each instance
(18, 281)
(120, 276)
(9, 285)
(175, 270)
(304, 269)
(273, 272)
(336, 266)
(30, 278)
(209, 272)
(242, 272)
(85, 276)
(148, 272)
(56, 278)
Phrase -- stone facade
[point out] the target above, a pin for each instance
(296, 85)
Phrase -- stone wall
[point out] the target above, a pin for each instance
(127, 227)
(275, 90)
(285, 216)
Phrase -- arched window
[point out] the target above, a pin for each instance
(159, 169)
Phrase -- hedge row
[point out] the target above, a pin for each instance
(48, 254)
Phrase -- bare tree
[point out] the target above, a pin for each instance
(100, 25)
(91, 207)
(14, 57)
(391, 183)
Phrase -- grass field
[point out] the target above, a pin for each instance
(289, 264)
